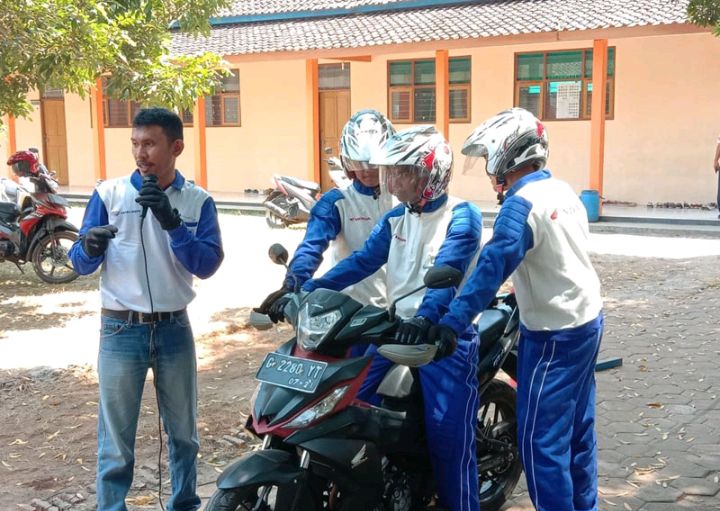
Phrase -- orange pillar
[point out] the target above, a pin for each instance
(442, 93)
(11, 141)
(98, 104)
(200, 145)
(312, 100)
(597, 120)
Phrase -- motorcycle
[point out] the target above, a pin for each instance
(324, 449)
(290, 202)
(34, 226)
(292, 199)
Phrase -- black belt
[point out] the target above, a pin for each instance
(141, 317)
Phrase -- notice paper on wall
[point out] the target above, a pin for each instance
(568, 100)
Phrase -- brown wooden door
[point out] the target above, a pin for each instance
(334, 113)
(54, 138)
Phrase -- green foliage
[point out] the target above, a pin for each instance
(705, 13)
(70, 43)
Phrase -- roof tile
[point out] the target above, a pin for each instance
(481, 19)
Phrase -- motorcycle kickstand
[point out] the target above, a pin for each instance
(19, 267)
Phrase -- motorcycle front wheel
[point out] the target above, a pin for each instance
(233, 500)
(50, 257)
(499, 466)
(263, 498)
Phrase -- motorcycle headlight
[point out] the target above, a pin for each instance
(312, 329)
(320, 410)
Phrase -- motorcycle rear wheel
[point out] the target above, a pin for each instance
(50, 257)
(497, 420)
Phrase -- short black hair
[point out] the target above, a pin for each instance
(168, 120)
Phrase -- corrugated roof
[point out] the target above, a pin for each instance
(476, 20)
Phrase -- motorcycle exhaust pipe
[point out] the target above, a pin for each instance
(274, 208)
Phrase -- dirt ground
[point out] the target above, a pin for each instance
(48, 410)
(49, 415)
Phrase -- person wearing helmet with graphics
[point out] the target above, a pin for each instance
(343, 218)
(541, 238)
(429, 228)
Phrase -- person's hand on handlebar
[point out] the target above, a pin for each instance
(445, 338)
(413, 330)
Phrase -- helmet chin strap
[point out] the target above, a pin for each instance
(417, 207)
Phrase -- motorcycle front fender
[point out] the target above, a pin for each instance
(258, 468)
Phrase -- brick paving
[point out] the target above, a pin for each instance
(658, 416)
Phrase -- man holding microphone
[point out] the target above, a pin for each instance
(150, 232)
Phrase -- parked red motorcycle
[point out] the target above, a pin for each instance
(40, 232)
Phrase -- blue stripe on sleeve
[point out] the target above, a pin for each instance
(95, 216)
(361, 263)
(201, 253)
(462, 242)
(512, 238)
(322, 228)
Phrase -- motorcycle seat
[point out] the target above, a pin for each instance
(8, 211)
(310, 185)
(490, 327)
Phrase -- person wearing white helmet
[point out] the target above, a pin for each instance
(429, 228)
(343, 219)
(540, 237)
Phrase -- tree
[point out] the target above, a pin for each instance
(70, 43)
(705, 13)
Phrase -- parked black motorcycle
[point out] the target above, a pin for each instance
(324, 449)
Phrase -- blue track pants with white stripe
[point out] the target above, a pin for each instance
(556, 416)
(450, 398)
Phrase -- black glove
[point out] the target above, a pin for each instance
(445, 339)
(153, 197)
(96, 239)
(277, 309)
(413, 330)
(271, 299)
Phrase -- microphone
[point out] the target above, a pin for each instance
(150, 178)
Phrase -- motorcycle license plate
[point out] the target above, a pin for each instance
(291, 372)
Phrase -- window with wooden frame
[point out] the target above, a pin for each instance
(118, 113)
(558, 85)
(222, 109)
(411, 90)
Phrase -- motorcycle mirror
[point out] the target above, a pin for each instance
(440, 277)
(278, 254)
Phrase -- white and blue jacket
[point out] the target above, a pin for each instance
(173, 257)
(343, 220)
(447, 232)
(541, 238)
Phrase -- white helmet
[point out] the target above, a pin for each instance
(365, 132)
(508, 141)
(420, 153)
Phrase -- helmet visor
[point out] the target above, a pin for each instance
(357, 166)
(475, 165)
(406, 182)
(21, 168)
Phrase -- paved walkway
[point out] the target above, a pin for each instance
(658, 415)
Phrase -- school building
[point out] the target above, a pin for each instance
(301, 67)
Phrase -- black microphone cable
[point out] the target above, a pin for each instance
(152, 345)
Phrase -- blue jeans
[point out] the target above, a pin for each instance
(127, 351)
